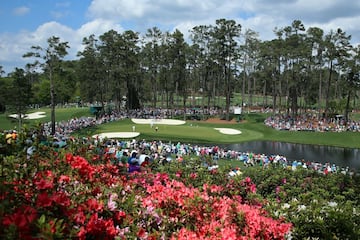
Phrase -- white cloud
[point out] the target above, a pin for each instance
(20, 11)
(261, 16)
(118, 9)
(14, 46)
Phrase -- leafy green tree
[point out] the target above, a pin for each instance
(225, 35)
(177, 57)
(294, 43)
(89, 72)
(248, 60)
(52, 56)
(111, 72)
(19, 94)
(119, 54)
(150, 62)
(164, 71)
(337, 49)
(200, 36)
(352, 81)
(2, 91)
(315, 40)
(268, 70)
(131, 68)
(66, 82)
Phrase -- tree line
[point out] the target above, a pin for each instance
(299, 69)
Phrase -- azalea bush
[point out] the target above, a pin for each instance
(320, 206)
(60, 195)
(77, 193)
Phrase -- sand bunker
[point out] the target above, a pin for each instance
(158, 121)
(35, 115)
(229, 131)
(117, 135)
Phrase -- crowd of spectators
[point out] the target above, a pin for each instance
(309, 122)
(139, 153)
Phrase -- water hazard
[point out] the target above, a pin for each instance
(342, 157)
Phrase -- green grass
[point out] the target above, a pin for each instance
(192, 132)
(61, 114)
(253, 129)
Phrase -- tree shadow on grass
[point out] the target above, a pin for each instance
(257, 118)
(85, 132)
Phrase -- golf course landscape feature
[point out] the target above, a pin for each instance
(30, 116)
(227, 131)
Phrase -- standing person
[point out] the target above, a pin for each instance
(134, 166)
(133, 128)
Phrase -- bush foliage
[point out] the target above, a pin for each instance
(75, 193)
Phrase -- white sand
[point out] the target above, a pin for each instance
(229, 131)
(117, 135)
(158, 121)
(35, 115)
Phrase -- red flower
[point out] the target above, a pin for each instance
(43, 184)
(22, 218)
(64, 179)
(43, 200)
(141, 233)
(61, 199)
(119, 215)
(94, 205)
(79, 217)
(193, 175)
(82, 233)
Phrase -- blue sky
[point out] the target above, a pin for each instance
(27, 23)
(27, 15)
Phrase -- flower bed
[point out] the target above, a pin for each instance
(76, 194)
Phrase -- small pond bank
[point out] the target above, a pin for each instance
(342, 157)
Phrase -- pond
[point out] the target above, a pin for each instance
(342, 157)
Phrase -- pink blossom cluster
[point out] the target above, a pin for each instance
(87, 199)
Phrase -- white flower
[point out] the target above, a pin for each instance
(333, 204)
(301, 207)
(286, 206)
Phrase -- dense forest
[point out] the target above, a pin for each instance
(300, 69)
